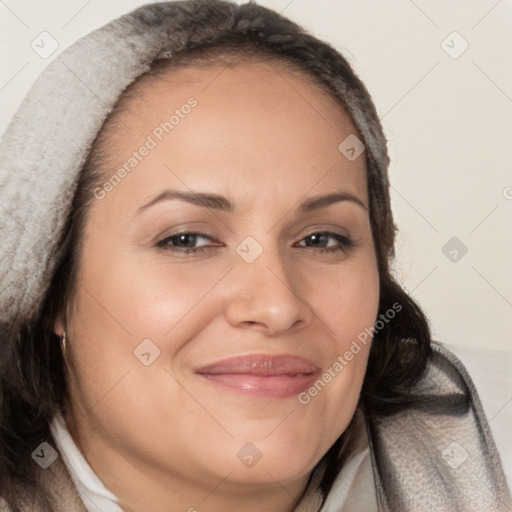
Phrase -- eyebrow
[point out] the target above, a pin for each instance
(315, 203)
(218, 202)
(212, 201)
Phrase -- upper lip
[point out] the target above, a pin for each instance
(261, 364)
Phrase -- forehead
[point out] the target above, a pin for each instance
(260, 123)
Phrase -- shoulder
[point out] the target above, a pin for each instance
(436, 448)
(491, 373)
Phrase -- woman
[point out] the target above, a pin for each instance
(198, 311)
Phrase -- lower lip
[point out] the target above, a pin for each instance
(265, 386)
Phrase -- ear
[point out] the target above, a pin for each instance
(58, 327)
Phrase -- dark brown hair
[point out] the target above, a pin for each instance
(32, 371)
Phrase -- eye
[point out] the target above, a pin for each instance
(327, 241)
(187, 242)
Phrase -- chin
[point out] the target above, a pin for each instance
(268, 461)
(275, 470)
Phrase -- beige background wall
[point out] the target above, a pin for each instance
(447, 112)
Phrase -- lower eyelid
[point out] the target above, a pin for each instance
(343, 242)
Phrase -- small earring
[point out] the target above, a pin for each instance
(63, 343)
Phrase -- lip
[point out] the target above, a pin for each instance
(262, 375)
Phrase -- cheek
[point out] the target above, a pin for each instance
(130, 301)
(130, 327)
(347, 299)
(347, 304)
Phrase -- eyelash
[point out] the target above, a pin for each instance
(345, 243)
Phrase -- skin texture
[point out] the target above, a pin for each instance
(161, 437)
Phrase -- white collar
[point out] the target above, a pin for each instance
(354, 487)
(90, 488)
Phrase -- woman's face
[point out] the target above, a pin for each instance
(223, 274)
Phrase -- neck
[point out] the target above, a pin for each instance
(197, 498)
(139, 486)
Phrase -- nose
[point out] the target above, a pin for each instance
(266, 296)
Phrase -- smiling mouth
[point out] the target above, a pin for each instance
(262, 375)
